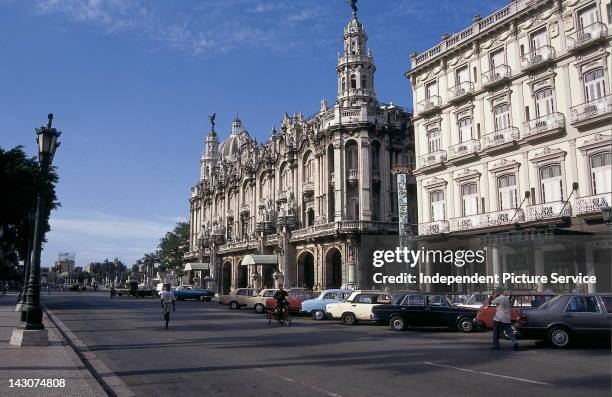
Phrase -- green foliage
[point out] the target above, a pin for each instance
(173, 246)
(20, 180)
(111, 269)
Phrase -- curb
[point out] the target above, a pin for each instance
(105, 377)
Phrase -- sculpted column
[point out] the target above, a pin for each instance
(364, 182)
(340, 179)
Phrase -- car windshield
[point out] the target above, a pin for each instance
(550, 302)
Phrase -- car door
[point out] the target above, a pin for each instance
(606, 301)
(584, 314)
(361, 304)
(413, 309)
(437, 311)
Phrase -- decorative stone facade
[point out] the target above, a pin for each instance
(309, 192)
(512, 121)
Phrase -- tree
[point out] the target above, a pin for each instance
(20, 180)
(173, 246)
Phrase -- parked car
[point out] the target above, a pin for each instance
(316, 307)
(424, 310)
(475, 301)
(75, 287)
(518, 300)
(357, 307)
(185, 292)
(258, 302)
(568, 317)
(294, 299)
(237, 298)
(146, 291)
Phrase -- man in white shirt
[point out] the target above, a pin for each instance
(501, 320)
(167, 301)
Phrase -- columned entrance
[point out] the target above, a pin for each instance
(226, 277)
(267, 277)
(243, 275)
(333, 268)
(306, 274)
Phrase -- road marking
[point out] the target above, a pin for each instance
(488, 373)
(291, 380)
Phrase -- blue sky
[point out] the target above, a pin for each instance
(131, 83)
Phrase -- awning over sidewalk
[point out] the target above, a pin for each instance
(259, 260)
(197, 266)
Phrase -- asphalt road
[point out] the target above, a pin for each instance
(212, 351)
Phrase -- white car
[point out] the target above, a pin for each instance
(358, 306)
(258, 302)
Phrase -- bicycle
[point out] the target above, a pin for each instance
(283, 318)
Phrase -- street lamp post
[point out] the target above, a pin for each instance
(32, 332)
(30, 216)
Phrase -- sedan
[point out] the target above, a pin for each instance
(567, 317)
(316, 307)
(425, 310)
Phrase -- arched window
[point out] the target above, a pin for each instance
(285, 178)
(551, 183)
(353, 81)
(465, 129)
(545, 102)
(437, 205)
(594, 85)
(363, 82)
(469, 199)
(502, 117)
(433, 140)
(506, 188)
(308, 168)
(343, 84)
(601, 172)
(351, 155)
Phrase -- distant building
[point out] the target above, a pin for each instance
(293, 209)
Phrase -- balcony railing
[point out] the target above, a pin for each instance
(497, 75)
(538, 57)
(591, 110)
(586, 36)
(352, 175)
(535, 128)
(430, 104)
(433, 158)
(461, 91)
(436, 227)
(309, 187)
(464, 223)
(244, 208)
(463, 149)
(500, 138)
(592, 204)
(489, 219)
(332, 179)
(543, 211)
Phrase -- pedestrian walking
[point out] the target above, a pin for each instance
(501, 320)
(167, 302)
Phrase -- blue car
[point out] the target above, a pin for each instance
(316, 307)
(185, 292)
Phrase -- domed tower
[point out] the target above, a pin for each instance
(230, 147)
(355, 67)
(210, 155)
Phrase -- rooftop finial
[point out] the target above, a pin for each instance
(50, 117)
(353, 4)
(212, 121)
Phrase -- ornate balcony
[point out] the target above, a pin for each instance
(496, 76)
(429, 105)
(309, 188)
(545, 211)
(436, 227)
(587, 36)
(500, 140)
(591, 112)
(489, 219)
(229, 213)
(537, 58)
(352, 175)
(464, 150)
(544, 127)
(591, 205)
(465, 223)
(461, 91)
(244, 209)
(332, 179)
(433, 160)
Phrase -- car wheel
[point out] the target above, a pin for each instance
(349, 319)
(397, 323)
(259, 308)
(465, 324)
(201, 298)
(318, 315)
(559, 337)
(233, 305)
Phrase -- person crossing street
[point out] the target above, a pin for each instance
(168, 300)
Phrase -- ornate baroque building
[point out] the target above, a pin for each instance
(292, 210)
(513, 138)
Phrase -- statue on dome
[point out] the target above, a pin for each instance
(353, 4)
(212, 120)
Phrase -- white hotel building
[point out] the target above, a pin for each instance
(513, 141)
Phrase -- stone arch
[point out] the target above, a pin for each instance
(226, 277)
(306, 270)
(243, 275)
(333, 268)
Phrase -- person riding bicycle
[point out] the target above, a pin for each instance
(281, 301)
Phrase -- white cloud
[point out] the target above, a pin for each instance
(95, 236)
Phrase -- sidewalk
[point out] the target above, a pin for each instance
(56, 361)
